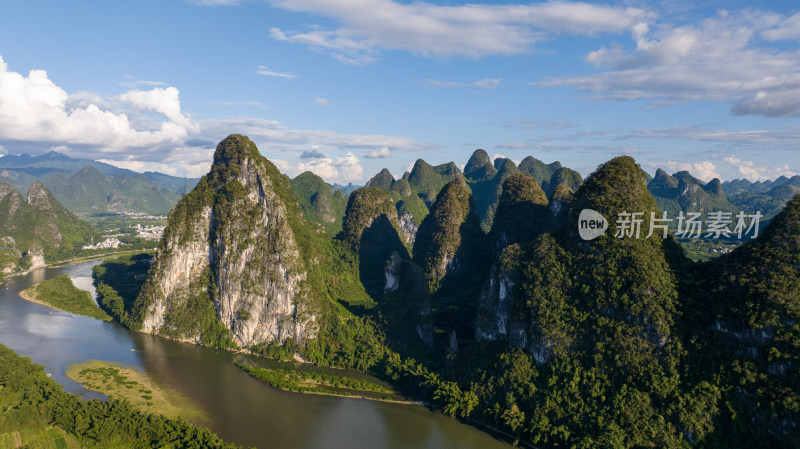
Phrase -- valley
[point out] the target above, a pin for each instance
(468, 291)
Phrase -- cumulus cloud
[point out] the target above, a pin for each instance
(321, 101)
(718, 59)
(164, 101)
(263, 71)
(191, 162)
(497, 156)
(34, 108)
(379, 153)
(759, 172)
(367, 26)
(486, 83)
(340, 169)
(705, 170)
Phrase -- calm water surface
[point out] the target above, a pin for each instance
(239, 408)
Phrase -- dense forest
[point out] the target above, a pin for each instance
(31, 400)
(561, 342)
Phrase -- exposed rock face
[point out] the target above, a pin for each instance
(559, 203)
(38, 196)
(229, 255)
(36, 254)
(494, 313)
(409, 228)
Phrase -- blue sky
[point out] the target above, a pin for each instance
(345, 88)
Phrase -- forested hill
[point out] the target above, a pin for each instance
(37, 229)
(619, 341)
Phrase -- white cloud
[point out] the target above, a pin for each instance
(182, 161)
(341, 169)
(35, 109)
(427, 29)
(719, 59)
(787, 28)
(274, 135)
(263, 71)
(759, 172)
(321, 101)
(379, 153)
(165, 101)
(486, 83)
(705, 170)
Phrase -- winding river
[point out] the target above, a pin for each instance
(239, 408)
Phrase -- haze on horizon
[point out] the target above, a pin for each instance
(344, 90)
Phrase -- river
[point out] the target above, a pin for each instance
(239, 408)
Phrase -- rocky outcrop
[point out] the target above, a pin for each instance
(230, 265)
(408, 228)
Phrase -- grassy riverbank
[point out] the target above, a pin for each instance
(36, 412)
(60, 293)
(324, 384)
(144, 394)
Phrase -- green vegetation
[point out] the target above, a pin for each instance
(117, 283)
(320, 203)
(426, 180)
(614, 342)
(540, 171)
(60, 293)
(318, 383)
(40, 225)
(89, 192)
(124, 383)
(36, 411)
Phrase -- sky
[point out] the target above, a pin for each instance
(344, 88)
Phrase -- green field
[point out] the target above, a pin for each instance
(143, 393)
(60, 293)
(318, 383)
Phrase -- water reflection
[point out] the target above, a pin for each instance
(241, 409)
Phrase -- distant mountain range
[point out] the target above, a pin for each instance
(90, 187)
(416, 190)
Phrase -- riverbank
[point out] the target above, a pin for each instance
(75, 261)
(305, 382)
(61, 294)
(142, 391)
